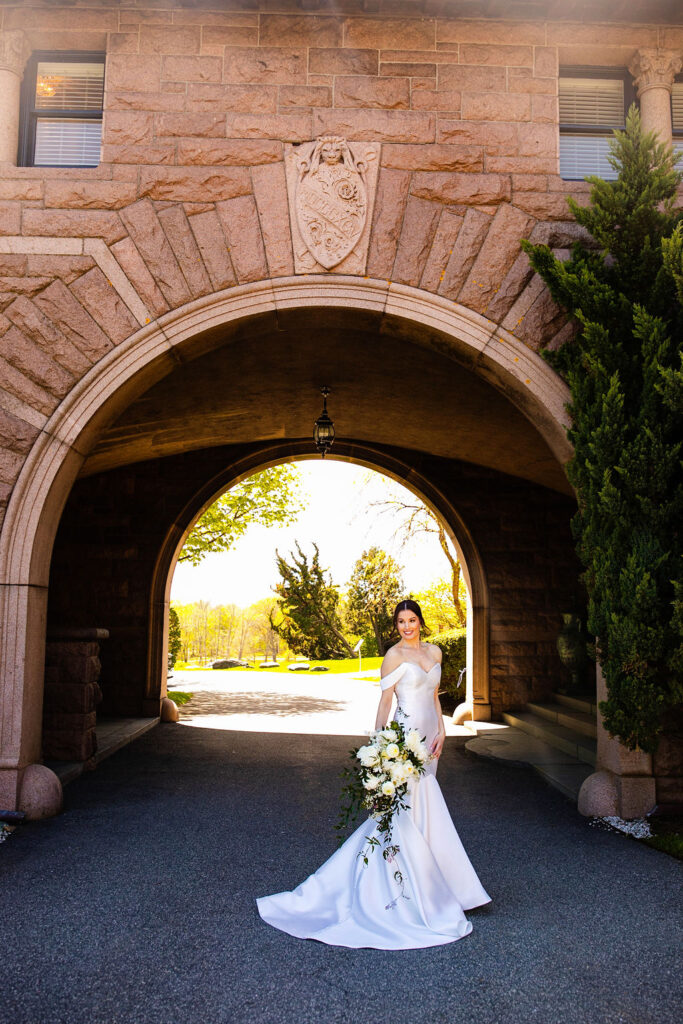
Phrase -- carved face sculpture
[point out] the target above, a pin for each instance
(331, 153)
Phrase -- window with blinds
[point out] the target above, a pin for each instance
(593, 102)
(62, 110)
(677, 120)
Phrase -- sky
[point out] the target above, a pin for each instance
(337, 518)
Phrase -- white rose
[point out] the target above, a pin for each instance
(390, 734)
(371, 783)
(368, 755)
(398, 774)
(392, 751)
(388, 788)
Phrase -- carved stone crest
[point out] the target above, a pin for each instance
(331, 187)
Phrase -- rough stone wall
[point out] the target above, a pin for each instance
(190, 196)
(114, 524)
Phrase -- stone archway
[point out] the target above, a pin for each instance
(477, 705)
(147, 356)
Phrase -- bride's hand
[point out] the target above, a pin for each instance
(437, 745)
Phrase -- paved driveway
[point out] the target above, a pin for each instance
(137, 903)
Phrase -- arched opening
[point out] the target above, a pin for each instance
(424, 390)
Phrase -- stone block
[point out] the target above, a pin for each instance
(123, 42)
(469, 189)
(32, 361)
(151, 101)
(73, 223)
(214, 249)
(127, 128)
(364, 91)
(546, 62)
(199, 15)
(21, 387)
(270, 193)
(244, 99)
(612, 34)
(346, 61)
(179, 234)
(455, 30)
(304, 96)
(137, 72)
(403, 70)
(467, 244)
(268, 65)
(105, 306)
(194, 184)
(159, 153)
(15, 433)
(498, 54)
(61, 306)
(438, 157)
(283, 127)
(75, 722)
(170, 39)
(40, 793)
(230, 152)
(155, 249)
(495, 138)
(545, 110)
(496, 256)
(510, 288)
(135, 269)
(191, 69)
(215, 37)
(544, 206)
(72, 699)
(64, 745)
(240, 223)
(431, 99)
(208, 125)
(11, 188)
(419, 224)
(538, 140)
(526, 164)
(408, 33)
(408, 126)
(461, 78)
(89, 195)
(488, 107)
(10, 218)
(390, 202)
(300, 30)
(34, 324)
(522, 80)
(440, 252)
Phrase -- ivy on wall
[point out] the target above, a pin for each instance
(624, 369)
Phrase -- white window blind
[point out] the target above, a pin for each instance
(581, 155)
(67, 142)
(65, 85)
(677, 107)
(592, 101)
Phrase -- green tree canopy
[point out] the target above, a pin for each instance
(375, 588)
(175, 639)
(269, 498)
(624, 374)
(309, 621)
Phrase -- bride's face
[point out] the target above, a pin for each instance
(408, 625)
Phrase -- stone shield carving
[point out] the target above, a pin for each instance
(331, 186)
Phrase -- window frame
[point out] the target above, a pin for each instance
(29, 114)
(588, 71)
(676, 133)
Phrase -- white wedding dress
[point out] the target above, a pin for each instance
(345, 903)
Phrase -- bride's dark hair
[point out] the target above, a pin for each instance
(408, 606)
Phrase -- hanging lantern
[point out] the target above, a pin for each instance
(323, 431)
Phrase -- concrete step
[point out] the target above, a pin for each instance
(580, 721)
(577, 745)
(511, 744)
(586, 704)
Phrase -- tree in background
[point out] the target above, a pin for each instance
(437, 606)
(374, 589)
(623, 371)
(175, 640)
(269, 498)
(309, 621)
(413, 518)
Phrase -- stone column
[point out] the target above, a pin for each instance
(14, 52)
(623, 782)
(653, 73)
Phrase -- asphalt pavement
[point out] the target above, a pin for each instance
(137, 903)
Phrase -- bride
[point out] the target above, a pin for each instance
(345, 903)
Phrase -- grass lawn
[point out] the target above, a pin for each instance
(179, 697)
(667, 836)
(343, 665)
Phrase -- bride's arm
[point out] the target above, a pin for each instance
(437, 745)
(384, 708)
(389, 665)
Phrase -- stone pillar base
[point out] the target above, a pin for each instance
(169, 710)
(467, 712)
(40, 794)
(629, 796)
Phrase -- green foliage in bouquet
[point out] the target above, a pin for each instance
(624, 371)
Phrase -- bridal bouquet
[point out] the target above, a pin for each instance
(378, 782)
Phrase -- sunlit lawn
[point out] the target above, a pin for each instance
(342, 665)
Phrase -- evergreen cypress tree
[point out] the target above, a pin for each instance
(624, 372)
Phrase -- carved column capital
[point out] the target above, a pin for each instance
(654, 69)
(15, 50)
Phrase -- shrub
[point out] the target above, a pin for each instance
(453, 646)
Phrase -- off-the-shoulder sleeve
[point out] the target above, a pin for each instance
(393, 677)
